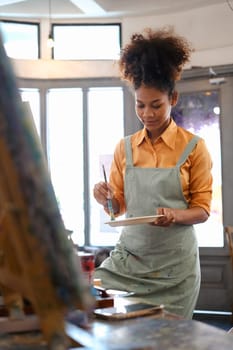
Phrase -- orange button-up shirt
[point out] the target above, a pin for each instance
(196, 177)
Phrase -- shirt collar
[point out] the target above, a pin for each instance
(168, 136)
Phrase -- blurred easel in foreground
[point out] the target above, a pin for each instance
(37, 260)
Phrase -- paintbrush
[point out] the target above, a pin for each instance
(109, 201)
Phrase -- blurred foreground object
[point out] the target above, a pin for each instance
(37, 260)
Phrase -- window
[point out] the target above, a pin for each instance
(87, 41)
(65, 156)
(72, 120)
(199, 112)
(106, 123)
(21, 40)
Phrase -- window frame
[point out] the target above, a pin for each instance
(29, 23)
(53, 25)
(43, 86)
(190, 84)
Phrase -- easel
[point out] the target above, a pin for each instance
(24, 272)
(27, 269)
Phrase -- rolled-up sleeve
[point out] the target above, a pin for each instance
(197, 180)
(117, 174)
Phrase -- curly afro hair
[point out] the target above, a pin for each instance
(154, 59)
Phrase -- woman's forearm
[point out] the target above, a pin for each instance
(188, 216)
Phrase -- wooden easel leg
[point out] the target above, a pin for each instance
(52, 326)
(12, 299)
(48, 307)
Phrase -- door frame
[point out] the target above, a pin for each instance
(216, 272)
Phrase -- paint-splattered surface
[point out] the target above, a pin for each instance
(140, 334)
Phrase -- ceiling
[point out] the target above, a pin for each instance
(90, 9)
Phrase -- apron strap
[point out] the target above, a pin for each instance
(188, 149)
(128, 151)
(192, 143)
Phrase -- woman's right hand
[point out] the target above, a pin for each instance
(102, 192)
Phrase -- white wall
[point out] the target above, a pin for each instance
(209, 29)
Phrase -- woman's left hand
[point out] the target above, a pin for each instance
(168, 218)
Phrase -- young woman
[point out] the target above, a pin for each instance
(161, 169)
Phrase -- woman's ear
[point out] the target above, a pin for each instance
(174, 98)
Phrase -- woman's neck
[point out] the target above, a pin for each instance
(153, 136)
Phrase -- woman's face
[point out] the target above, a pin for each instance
(153, 108)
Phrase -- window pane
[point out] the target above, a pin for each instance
(105, 106)
(20, 39)
(199, 112)
(86, 42)
(32, 96)
(65, 153)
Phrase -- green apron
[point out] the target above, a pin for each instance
(159, 264)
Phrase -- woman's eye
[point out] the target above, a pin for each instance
(139, 106)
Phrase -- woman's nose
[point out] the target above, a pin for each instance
(147, 111)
